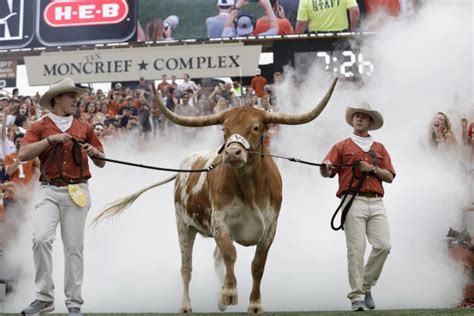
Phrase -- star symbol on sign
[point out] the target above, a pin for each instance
(142, 65)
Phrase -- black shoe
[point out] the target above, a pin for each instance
(38, 307)
(369, 301)
(74, 311)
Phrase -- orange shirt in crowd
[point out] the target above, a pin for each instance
(113, 108)
(391, 7)
(263, 25)
(470, 131)
(20, 178)
(346, 152)
(80, 131)
(258, 83)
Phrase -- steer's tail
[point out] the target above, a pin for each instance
(120, 205)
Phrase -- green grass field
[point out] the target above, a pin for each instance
(414, 312)
(192, 15)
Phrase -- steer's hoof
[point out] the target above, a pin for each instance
(186, 310)
(220, 305)
(255, 308)
(229, 297)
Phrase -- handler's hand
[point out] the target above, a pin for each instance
(60, 138)
(91, 150)
(327, 165)
(366, 167)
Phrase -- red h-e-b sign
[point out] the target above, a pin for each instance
(62, 13)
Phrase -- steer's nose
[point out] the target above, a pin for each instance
(234, 152)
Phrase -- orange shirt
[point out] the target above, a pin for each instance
(470, 131)
(113, 108)
(257, 84)
(391, 7)
(346, 152)
(81, 131)
(21, 177)
(263, 25)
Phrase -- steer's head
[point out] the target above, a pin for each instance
(243, 135)
(244, 127)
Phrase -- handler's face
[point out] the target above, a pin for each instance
(67, 102)
(361, 122)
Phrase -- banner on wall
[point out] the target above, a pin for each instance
(7, 73)
(107, 65)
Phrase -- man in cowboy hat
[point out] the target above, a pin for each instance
(62, 144)
(366, 215)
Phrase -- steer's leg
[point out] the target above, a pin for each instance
(258, 266)
(186, 235)
(219, 268)
(224, 242)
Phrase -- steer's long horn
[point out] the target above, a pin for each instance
(295, 119)
(193, 121)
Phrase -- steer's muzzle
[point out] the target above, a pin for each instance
(235, 156)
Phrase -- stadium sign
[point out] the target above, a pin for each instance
(17, 27)
(79, 22)
(199, 61)
(7, 73)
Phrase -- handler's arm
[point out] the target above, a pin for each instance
(33, 150)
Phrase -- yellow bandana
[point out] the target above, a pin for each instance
(77, 194)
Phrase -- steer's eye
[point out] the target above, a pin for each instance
(255, 128)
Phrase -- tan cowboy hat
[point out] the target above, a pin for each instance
(58, 87)
(366, 109)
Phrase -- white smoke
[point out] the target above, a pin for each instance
(133, 262)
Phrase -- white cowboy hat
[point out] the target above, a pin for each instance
(58, 87)
(377, 119)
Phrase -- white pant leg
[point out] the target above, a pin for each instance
(355, 230)
(378, 235)
(73, 221)
(45, 221)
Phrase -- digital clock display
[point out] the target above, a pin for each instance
(346, 63)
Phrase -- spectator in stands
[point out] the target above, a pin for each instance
(144, 87)
(244, 25)
(144, 113)
(442, 136)
(185, 108)
(3, 102)
(221, 106)
(187, 84)
(236, 89)
(115, 104)
(327, 16)
(22, 117)
(127, 112)
(164, 85)
(101, 114)
(215, 24)
(99, 130)
(89, 114)
(156, 31)
(291, 10)
(284, 26)
(17, 191)
(258, 83)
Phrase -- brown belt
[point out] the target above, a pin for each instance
(61, 183)
(367, 194)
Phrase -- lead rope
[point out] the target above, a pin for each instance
(354, 191)
(77, 158)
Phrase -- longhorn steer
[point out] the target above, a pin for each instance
(237, 201)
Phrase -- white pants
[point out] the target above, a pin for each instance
(56, 207)
(366, 217)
